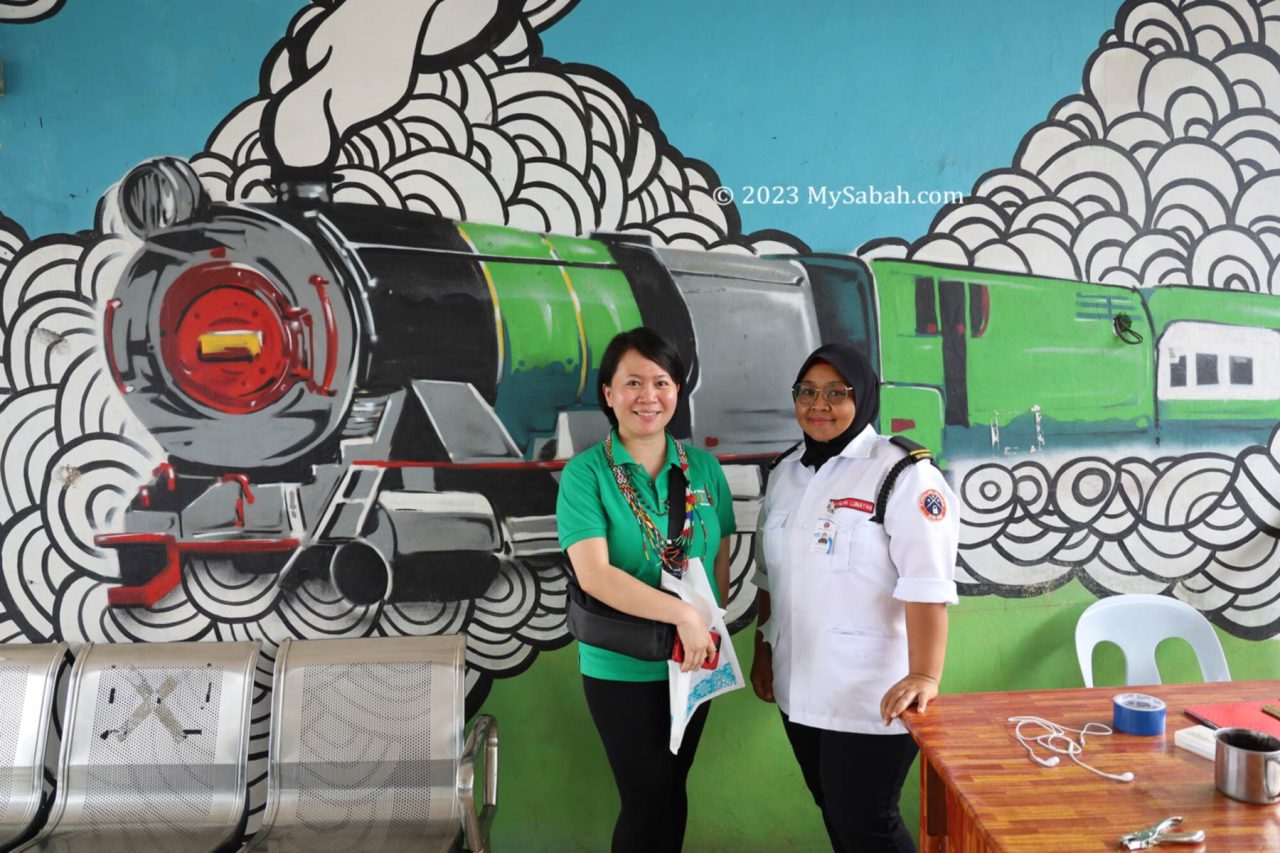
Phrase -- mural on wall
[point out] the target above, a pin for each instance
(319, 381)
(1160, 178)
(205, 391)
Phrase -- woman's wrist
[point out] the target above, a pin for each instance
(932, 678)
(689, 616)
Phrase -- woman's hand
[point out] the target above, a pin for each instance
(696, 639)
(762, 671)
(914, 688)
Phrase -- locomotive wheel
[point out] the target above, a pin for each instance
(445, 575)
(360, 573)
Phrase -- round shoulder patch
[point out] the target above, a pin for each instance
(932, 505)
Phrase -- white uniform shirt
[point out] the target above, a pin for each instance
(838, 582)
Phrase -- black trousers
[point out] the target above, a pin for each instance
(856, 780)
(634, 721)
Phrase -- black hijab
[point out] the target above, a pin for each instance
(858, 374)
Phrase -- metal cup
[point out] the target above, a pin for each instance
(1247, 765)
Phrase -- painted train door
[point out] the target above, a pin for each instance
(955, 312)
(955, 350)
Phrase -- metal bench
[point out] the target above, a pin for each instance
(28, 685)
(366, 750)
(155, 749)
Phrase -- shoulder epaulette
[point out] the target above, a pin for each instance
(914, 449)
(783, 455)
(916, 452)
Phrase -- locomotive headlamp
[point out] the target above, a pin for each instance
(232, 341)
(159, 194)
(229, 346)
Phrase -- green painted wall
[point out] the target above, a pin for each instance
(745, 792)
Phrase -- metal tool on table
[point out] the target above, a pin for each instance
(1144, 839)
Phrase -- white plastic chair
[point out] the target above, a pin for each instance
(1137, 624)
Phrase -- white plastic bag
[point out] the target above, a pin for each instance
(688, 690)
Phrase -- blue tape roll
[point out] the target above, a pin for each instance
(1137, 714)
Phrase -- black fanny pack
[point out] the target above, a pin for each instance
(595, 623)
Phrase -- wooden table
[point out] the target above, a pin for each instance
(980, 791)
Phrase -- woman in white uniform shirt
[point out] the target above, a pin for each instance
(852, 613)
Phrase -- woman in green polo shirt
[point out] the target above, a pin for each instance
(612, 516)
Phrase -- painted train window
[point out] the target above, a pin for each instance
(1206, 368)
(979, 309)
(1212, 361)
(926, 306)
(1241, 370)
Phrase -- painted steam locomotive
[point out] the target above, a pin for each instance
(384, 397)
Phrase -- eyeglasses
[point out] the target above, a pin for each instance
(808, 394)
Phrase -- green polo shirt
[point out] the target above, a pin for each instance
(590, 504)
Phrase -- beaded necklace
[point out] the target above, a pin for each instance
(672, 553)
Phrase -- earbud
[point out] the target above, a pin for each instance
(1051, 761)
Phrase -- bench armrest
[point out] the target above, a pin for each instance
(475, 825)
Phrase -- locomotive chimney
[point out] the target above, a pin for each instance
(304, 187)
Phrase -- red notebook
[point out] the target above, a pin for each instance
(1245, 715)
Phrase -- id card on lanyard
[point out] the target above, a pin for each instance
(823, 538)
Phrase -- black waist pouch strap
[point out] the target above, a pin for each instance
(595, 623)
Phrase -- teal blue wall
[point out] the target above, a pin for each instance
(823, 92)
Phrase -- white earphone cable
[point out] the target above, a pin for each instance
(1058, 739)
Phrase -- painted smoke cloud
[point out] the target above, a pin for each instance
(500, 136)
(1164, 170)
(1204, 525)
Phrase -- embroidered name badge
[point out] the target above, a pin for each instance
(932, 505)
(849, 503)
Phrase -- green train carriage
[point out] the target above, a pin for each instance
(981, 363)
